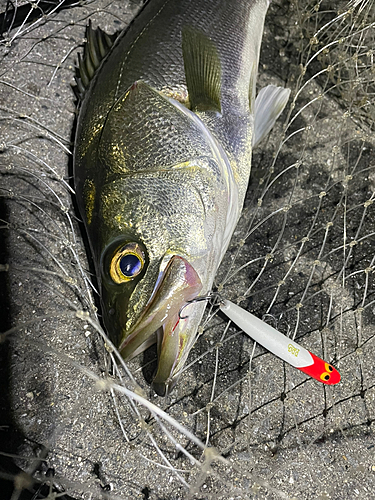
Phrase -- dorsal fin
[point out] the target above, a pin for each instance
(98, 44)
(202, 70)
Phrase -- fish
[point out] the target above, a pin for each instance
(167, 120)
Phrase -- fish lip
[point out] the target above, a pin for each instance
(179, 284)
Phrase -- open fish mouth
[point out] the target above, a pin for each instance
(179, 284)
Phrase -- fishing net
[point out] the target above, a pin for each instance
(76, 422)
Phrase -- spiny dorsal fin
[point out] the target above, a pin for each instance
(202, 70)
(98, 44)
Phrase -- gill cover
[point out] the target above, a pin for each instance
(145, 132)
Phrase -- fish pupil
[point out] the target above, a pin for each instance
(130, 265)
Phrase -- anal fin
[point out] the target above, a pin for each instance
(202, 70)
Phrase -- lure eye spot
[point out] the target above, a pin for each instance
(325, 376)
(127, 263)
(328, 368)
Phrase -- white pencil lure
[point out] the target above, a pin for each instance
(280, 345)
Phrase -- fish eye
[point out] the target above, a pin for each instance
(130, 265)
(329, 368)
(127, 263)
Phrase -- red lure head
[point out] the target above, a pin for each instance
(322, 371)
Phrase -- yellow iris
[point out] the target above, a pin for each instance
(123, 267)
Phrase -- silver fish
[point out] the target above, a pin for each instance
(162, 159)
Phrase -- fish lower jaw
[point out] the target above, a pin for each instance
(179, 286)
(128, 352)
(170, 343)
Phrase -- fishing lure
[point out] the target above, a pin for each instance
(281, 345)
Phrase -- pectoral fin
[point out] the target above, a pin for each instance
(269, 105)
(202, 70)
